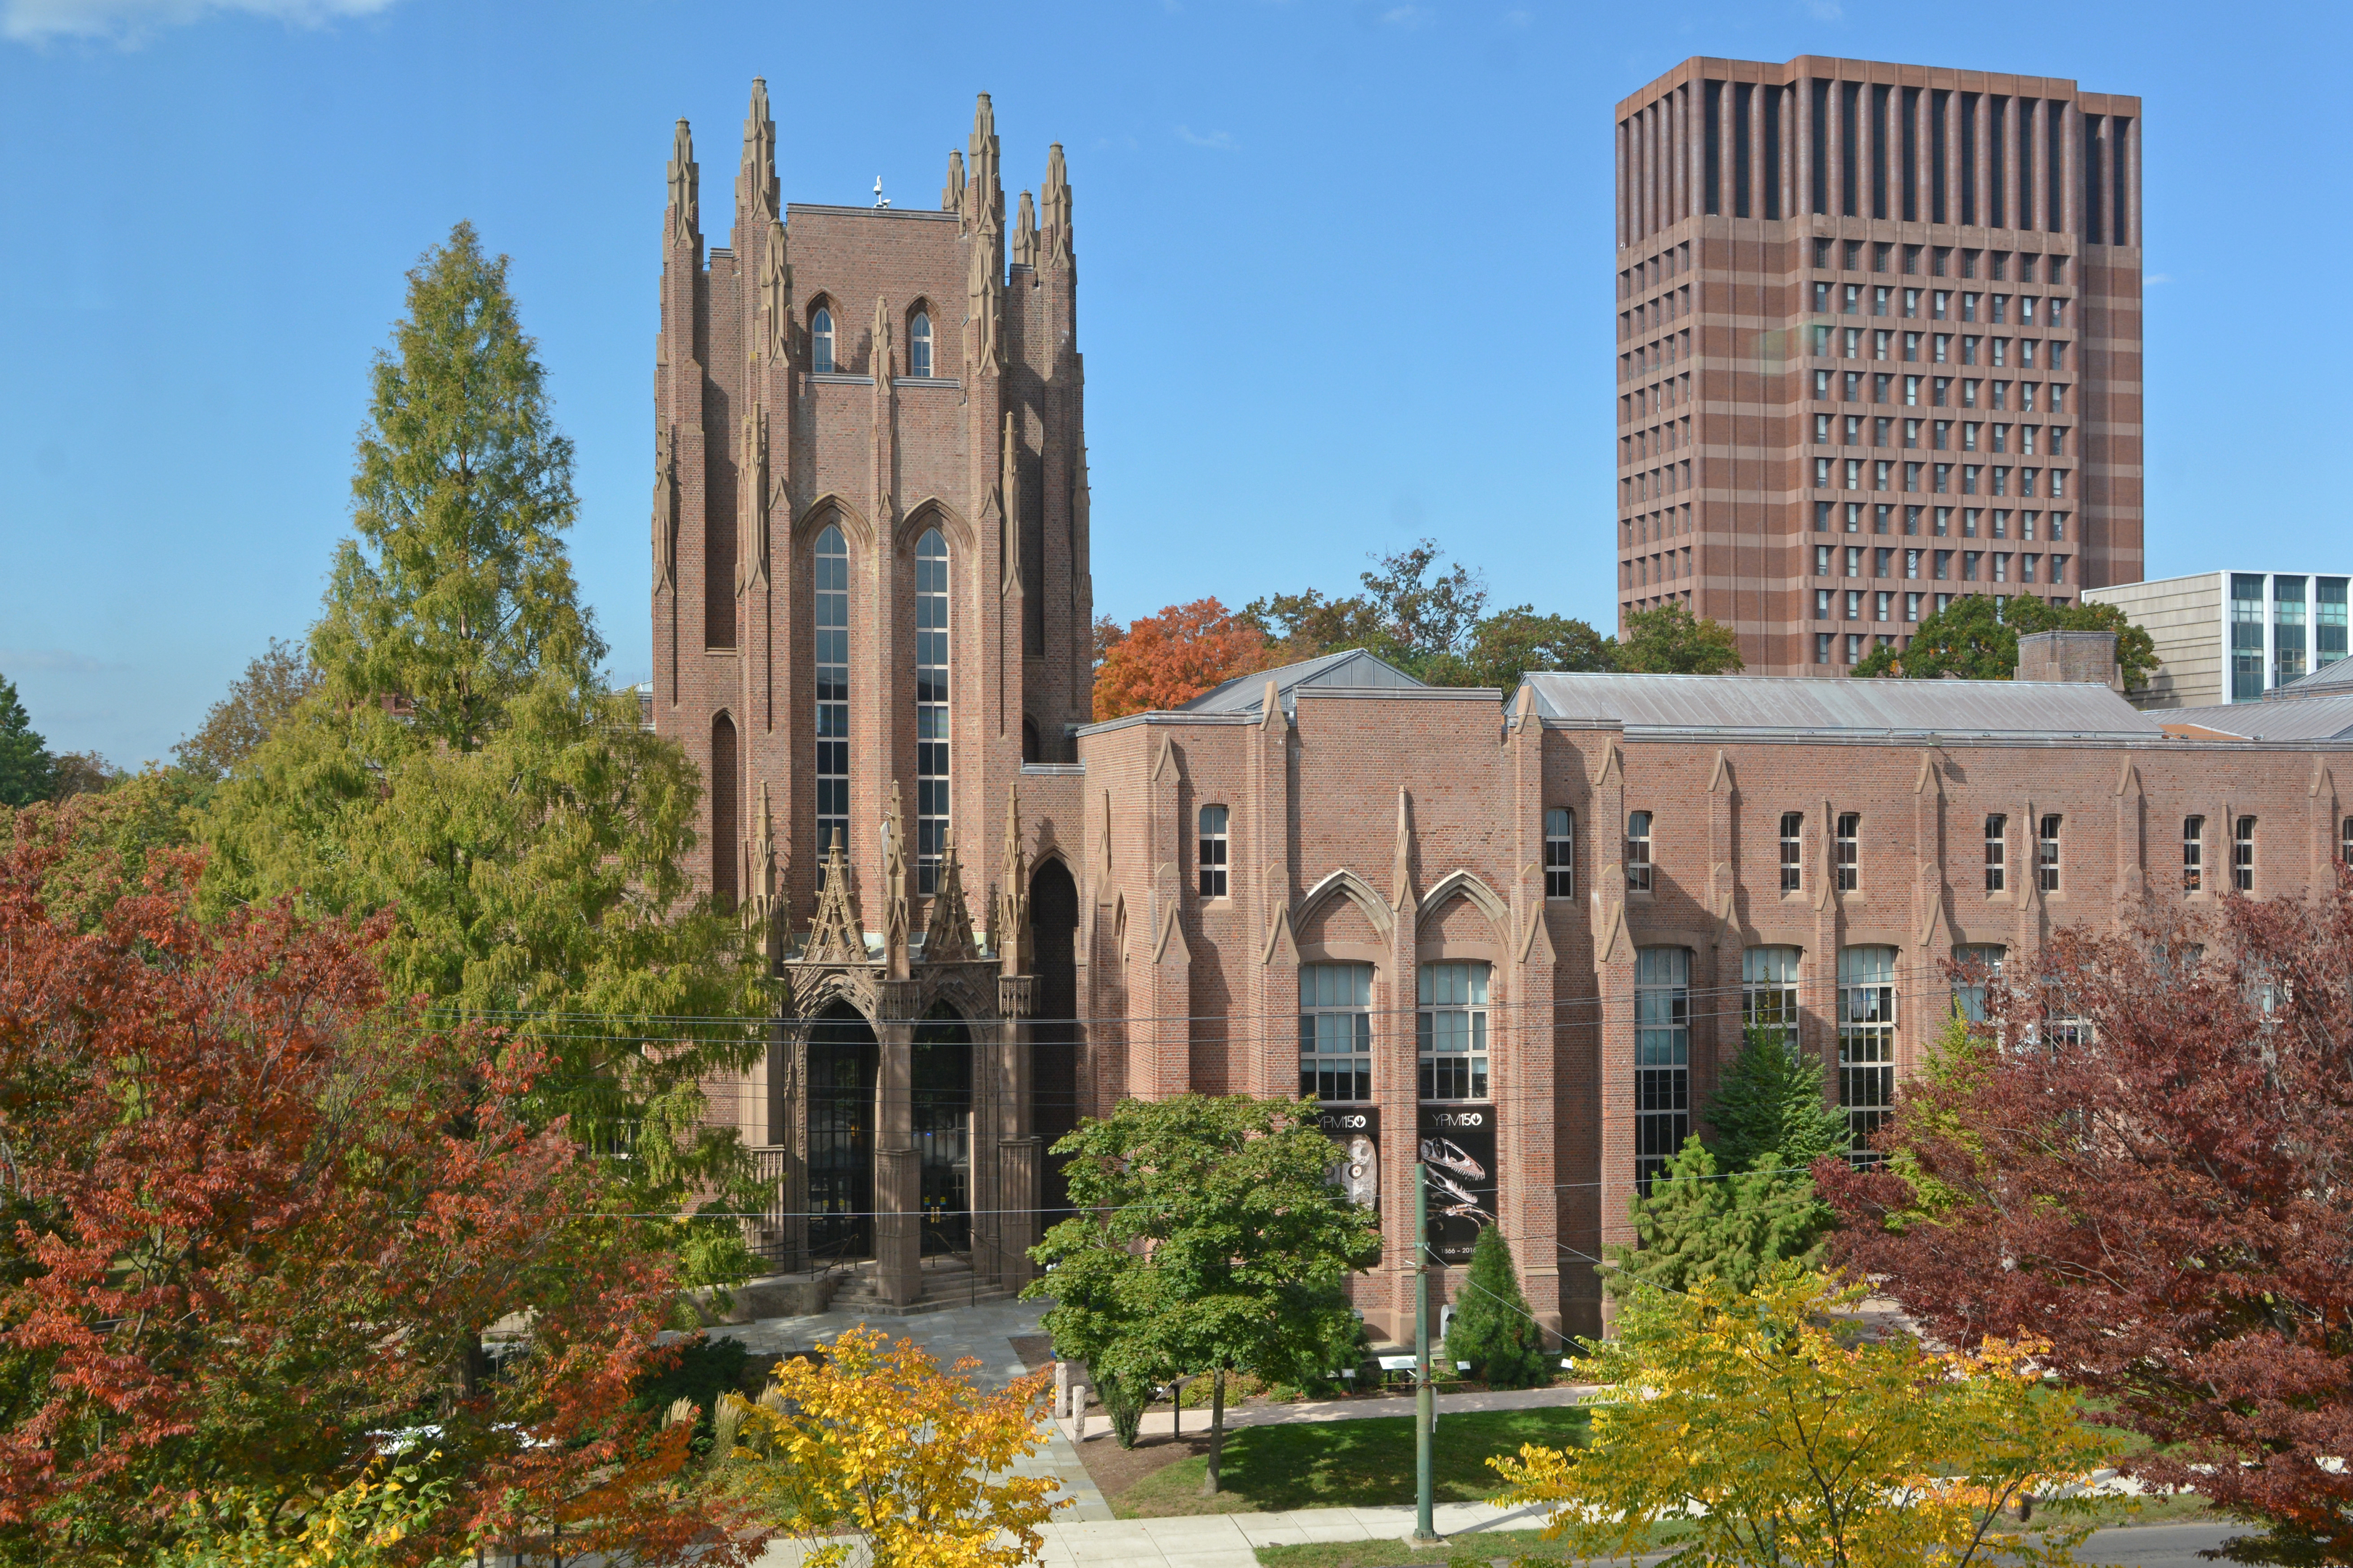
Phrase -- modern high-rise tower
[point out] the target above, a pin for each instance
(1878, 344)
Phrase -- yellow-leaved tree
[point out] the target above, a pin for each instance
(1769, 1432)
(877, 1446)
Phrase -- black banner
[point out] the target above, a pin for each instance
(1356, 1130)
(1458, 1146)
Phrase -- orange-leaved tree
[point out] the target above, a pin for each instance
(879, 1447)
(261, 1232)
(1174, 656)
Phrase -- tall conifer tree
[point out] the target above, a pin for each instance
(25, 762)
(463, 764)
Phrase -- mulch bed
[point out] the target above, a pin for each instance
(1114, 1468)
(1035, 1350)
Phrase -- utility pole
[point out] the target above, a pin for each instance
(1425, 1398)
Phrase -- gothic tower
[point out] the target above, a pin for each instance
(871, 607)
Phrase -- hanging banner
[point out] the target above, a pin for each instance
(1458, 1147)
(1356, 1130)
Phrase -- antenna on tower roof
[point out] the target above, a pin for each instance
(879, 199)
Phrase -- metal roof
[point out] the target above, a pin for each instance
(1350, 667)
(2323, 716)
(2325, 682)
(2040, 710)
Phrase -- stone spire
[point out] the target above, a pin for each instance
(757, 185)
(882, 366)
(952, 193)
(1025, 235)
(1012, 893)
(763, 911)
(776, 296)
(1058, 208)
(984, 197)
(1402, 893)
(894, 874)
(982, 280)
(1009, 490)
(947, 933)
(685, 220)
(836, 934)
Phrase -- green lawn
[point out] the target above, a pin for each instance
(1349, 1464)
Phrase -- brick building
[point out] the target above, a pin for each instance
(1879, 339)
(1516, 933)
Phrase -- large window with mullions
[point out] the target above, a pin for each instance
(1452, 1026)
(1335, 1032)
(931, 708)
(832, 651)
(1662, 1058)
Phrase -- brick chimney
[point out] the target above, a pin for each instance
(2070, 655)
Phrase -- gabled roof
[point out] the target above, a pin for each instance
(1781, 705)
(1351, 668)
(2321, 716)
(2326, 681)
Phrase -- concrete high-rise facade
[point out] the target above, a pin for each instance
(1878, 345)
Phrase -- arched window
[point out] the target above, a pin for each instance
(821, 340)
(931, 708)
(832, 652)
(919, 346)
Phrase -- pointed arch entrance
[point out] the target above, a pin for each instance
(842, 1058)
(940, 1097)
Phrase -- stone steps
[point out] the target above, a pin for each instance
(949, 1283)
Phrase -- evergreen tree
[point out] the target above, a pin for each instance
(1701, 1221)
(463, 765)
(25, 763)
(1770, 1102)
(1492, 1327)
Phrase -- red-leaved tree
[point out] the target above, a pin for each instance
(1172, 657)
(2146, 1158)
(260, 1228)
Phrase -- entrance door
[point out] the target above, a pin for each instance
(941, 1091)
(841, 1062)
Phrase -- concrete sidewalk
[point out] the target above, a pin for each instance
(1163, 1423)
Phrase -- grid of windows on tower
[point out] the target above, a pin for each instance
(831, 639)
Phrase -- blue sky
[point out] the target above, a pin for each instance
(1345, 272)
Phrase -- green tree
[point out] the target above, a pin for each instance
(1669, 641)
(105, 843)
(1210, 1239)
(1492, 1327)
(1771, 1101)
(25, 765)
(462, 765)
(1976, 637)
(1701, 1221)
(272, 685)
(1510, 643)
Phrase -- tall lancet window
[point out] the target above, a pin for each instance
(919, 346)
(832, 652)
(821, 340)
(931, 706)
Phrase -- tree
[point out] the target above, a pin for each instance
(82, 773)
(1703, 1221)
(105, 844)
(1749, 1421)
(1669, 641)
(878, 1444)
(1771, 1101)
(1492, 1327)
(2141, 1160)
(1510, 643)
(1209, 1238)
(24, 763)
(365, 1524)
(257, 1226)
(273, 685)
(1165, 660)
(463, 764)
(1976, 637)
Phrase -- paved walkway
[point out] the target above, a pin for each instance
(1159, 1423)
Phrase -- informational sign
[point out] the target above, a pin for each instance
(1457, 1149)
(1356, 1130)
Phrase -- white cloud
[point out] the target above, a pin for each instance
(2158, 277)
(1825, 10)
(58, 660)
(130, 22)
(1407, 17)
(1220, 140)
